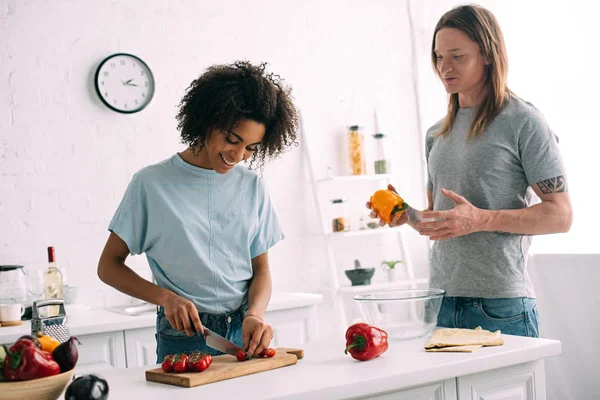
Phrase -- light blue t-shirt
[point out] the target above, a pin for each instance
(199, 229)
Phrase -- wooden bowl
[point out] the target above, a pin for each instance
(49, 388)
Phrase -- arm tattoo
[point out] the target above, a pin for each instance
(554, 185)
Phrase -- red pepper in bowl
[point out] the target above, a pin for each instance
(365, 342)
(29, 362)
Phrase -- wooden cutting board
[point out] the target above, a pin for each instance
(226, 367)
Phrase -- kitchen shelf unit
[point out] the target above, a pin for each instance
(336, 289)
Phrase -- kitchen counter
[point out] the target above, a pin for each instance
(101, 320)
(327, 373)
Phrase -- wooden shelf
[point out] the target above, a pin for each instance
(350, 178)
(399, 284)
(365, 232)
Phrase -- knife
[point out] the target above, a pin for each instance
(218, 342)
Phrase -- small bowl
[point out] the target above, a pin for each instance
(403, 314)
(360, 276)
(49, 388)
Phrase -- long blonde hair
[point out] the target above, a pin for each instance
(480, 26)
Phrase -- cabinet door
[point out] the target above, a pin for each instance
(101, 351)
(140, 347)
(293, 326)
(519, 382)
(445, 390)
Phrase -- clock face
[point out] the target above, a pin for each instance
(124, 83)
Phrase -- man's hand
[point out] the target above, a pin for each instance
(396, 221)
(463, 219)
(257, 335)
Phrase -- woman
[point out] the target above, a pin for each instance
(482, 158)
(204, 222)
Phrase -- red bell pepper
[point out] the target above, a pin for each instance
(21, 344)
(29, 363)
(365, 342)
(10, 374)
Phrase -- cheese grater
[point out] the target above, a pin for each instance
(55, 326)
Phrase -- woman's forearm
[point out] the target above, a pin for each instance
(543, 218)
(259, 293)
(115, 273)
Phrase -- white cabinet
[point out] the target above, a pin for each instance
(519, 382)
(140, 347)
(293, 326)
(445, 390)
(101, 350)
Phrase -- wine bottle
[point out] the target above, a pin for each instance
(53, 284)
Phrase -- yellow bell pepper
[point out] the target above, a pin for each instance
(48, 342)
(387, 204)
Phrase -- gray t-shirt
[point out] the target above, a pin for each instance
(493, 172)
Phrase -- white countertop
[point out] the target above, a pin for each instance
(327, 373)
(101, 320)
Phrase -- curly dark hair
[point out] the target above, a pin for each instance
(227, 94)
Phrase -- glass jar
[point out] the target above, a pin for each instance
(340, 220)
(356, 151)
(382, 164)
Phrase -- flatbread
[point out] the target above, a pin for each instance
(455, 349)
(450, 337)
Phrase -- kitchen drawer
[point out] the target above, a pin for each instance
(519, 382)
(445, 390)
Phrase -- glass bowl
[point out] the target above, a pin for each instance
(403, 314)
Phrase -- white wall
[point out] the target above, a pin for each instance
(65, 159)
(553, 66)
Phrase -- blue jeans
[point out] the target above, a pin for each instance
(171, 341)
(512, 316)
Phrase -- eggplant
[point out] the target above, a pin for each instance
(87, 387)
(66, 354)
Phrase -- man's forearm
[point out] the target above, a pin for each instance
(543, 218)
(259, 293)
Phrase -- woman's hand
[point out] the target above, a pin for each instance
(396, 221)
(463, 219)
(257, 334)
(183, 315)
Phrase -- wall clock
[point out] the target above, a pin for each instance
(124, 83)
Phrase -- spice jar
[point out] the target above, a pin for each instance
(381, 162)
(339, 210)
(356, 148)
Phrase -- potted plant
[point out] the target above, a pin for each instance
(390, 269)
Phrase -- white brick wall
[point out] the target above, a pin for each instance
(65, 159)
